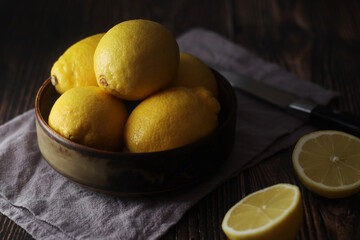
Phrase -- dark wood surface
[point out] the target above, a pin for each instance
(317, 40)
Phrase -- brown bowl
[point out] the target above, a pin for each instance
(134, 174)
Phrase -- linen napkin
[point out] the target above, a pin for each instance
(48, 206)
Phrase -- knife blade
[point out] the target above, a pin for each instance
(318, 115)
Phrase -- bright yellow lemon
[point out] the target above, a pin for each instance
(171, 118)
(193, 72)
(89, 116)
(76, 66)
(136, 58)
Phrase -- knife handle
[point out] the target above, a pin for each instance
(327, 118)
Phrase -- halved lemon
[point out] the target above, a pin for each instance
(271, 213)
(328, 163)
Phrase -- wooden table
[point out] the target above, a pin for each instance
(317, 40)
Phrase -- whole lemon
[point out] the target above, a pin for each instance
(136, 58)
(171, 118)
(193, 72)
(89, 116)
(75, 67)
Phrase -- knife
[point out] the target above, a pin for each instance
(318, 115)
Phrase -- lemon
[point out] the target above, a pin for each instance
(136, 58)
(89, 116)
(75, 66)
(193, 72)
(272, 213)
(328, 163)
(171, 118)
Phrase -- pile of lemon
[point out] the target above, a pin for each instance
(135, 63)
(138, 62)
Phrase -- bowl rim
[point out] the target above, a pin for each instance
(116, 154)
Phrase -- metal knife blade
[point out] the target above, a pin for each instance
(320, 116)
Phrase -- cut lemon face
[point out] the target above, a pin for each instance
(328, 163)
(271, 213)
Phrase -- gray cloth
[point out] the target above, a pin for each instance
(48, 206)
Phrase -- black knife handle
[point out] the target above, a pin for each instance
(326, 118)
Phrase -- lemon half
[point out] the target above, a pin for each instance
(272, 213)
(328, 163)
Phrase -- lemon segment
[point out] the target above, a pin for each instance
(136, 58)
(328, 163)
(75, 66)
(171, 118)
(89, 116)
(193, 72)
(272, 213)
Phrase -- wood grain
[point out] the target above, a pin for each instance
(317, 40)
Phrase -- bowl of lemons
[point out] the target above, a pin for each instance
(126, 113)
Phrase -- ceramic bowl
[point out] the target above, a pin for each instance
(135, 174)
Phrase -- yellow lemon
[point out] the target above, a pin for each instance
(193, 72)
(171, 118)
(136, 58)
(76, 66)
(89, 116)
(272, 213)
(328, 163)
